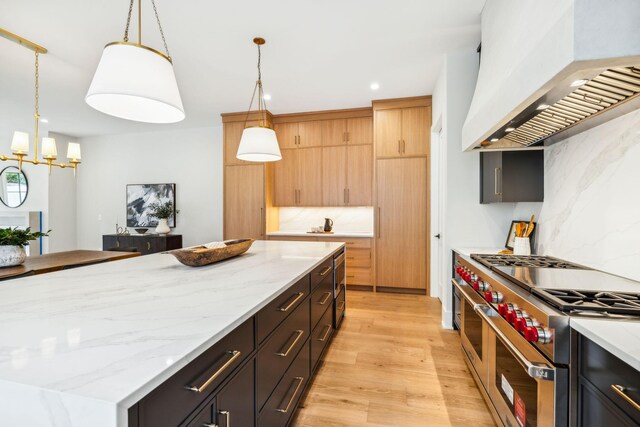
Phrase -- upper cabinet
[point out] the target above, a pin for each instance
(402, 131)
(512, 176)
(299, 134)
(298, 178)
(232, 134)
(352, 131)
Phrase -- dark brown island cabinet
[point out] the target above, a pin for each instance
(608, 388)
(257, 374)
(145, 244)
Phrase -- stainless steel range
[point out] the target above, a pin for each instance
(514, 322)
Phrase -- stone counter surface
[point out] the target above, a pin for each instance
(79, 347)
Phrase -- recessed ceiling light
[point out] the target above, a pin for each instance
(579, 82)
(375, 86)
(266, 97)
(543, 106)
(494, 139)
(509, 129)
(43, 120)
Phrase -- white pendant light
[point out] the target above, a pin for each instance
(259, 143)
(136, 82)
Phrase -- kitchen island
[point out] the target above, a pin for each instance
(81, 347)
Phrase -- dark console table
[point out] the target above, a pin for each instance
(143, 243)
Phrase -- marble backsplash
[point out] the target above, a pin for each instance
(346, 220)
(591, 212)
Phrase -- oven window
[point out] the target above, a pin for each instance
(517, 388)
(473, 328)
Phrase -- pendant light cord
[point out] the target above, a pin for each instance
(262, 104)
(155, 11)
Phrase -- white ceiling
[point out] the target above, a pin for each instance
(319, 55)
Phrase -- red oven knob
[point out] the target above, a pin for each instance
(515, 314)
(467, 277)
(537, 334)
(506, 307)
(483, 286)
(493, 296)
(459, 270)
(523, 323)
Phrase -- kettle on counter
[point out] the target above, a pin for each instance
(328, 224)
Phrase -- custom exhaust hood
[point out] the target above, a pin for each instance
(551, 69)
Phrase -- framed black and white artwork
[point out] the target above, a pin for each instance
(141, 196)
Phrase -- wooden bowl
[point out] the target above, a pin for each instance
(201, 255)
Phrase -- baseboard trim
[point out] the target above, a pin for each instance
(392, 290)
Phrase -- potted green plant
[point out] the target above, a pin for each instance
(162, 211)
(12, 243)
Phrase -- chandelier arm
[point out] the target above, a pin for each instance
(166, 48)
(126, 29)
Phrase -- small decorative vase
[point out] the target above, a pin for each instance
(522, 246)
(163, 226)
(12, 255)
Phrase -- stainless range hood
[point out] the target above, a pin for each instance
(551, 69)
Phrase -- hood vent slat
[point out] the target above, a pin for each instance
(606, 90)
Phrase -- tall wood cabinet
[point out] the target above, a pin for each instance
(402, 136)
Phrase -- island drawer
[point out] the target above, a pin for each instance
(282, 404)
(321, 272)
(277, 353)
(270, 316)
(320, 337)
(607, 373)
(180, 395)
(321, 300)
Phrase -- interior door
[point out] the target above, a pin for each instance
(401, 243)
(388, 124)
(244, 202)
(287, 134)
(416, 123)
(285, 174)
(359, 175)
(334, 176)
(360, 131)
(309, 165)
(334, 132)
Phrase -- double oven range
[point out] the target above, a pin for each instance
(513, 313)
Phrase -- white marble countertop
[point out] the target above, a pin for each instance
(619, 337)
(305, 234)
(79, 347)
(469, 251)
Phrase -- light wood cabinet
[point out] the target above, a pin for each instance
(299, 134)
(351, 131)
(334, 132)
(244, 201)
(334, 176)
(402, 218)
(232, 136)
(359, 175)
(298, 177)
(402, 132)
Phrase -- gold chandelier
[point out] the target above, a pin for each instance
(20, 142)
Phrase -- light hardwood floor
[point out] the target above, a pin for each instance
(391, 364)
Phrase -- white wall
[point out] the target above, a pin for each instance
(591, 213)
(466, 222)
(190, 158)
(61, 201)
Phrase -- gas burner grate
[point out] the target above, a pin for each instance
(579, 302)
(524, 261)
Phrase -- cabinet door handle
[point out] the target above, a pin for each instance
(117, 243)
(262, 223)
(404, 147)
(348, 195)
(210, 425)
(227, 418)
(148, 246)
(293, 396)
(325, 271)
(341, 305)
(325, 299)
(379, 221)
(622, 392)
(399, 147)
(299, 333)
(495, 182)
(326, 334)
(234, 355)
(348, 135)
(292, 303)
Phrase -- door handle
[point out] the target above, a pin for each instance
(285, 353)
(262, 223)
(293, 396)
(399, 147)
(404, 147)
(292, 303)
(379, 221)
(622, 392)
(227, 418)
(234, 355)
(326, 334)
(325, 299)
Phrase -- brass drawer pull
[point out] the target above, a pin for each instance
(326, 334)
(622, 392)
(227, 417)
(351, 257)
(234, 355)
(300, 332)
(341, 306)
(325, 271)
(293, 396)
(351, 276)
(292, 303)
(148, 246)
(210, 425)
(117, 243)
(325, 299)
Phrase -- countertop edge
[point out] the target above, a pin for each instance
(612, 342)
(305, 234)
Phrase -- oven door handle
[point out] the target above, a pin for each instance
(469, 295)
(535, 370)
